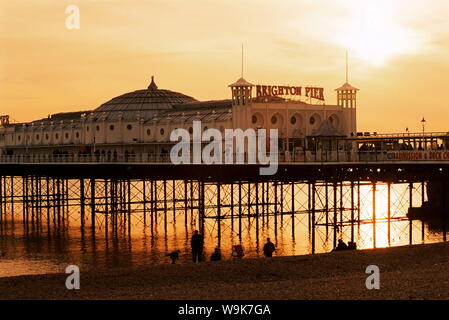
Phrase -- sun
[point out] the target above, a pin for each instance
(373, 34)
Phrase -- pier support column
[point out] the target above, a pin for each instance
(389, 212)
(293, 209)
(313, 217)
(410, 229)
(219, 213)
(335, 215)
(374, 215)
(240, 211)
(423, 195)
(82, 203)
(92, 204)
(352, 211)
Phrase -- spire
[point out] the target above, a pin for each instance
(152, 85)
(347, 67)
(242, 62)
(346, 85)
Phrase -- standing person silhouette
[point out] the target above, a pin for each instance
(197, 244)
(268, 248)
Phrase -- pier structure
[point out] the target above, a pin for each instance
(110, 168)
(330, 200)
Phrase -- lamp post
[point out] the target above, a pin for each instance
(423, 123)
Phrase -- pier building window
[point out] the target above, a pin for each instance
(190, 130)
(19, 137)
(334, 121)
(312, 120)
(47, 136)
(98, 128)
(254, 119)
(111, 127)
(77, 134)
(257, 119)
(148, 132)
(274, 119)
(162, 131)
(37, 137)
(57, 136)
(129, 127)
(66, 135)
(293, 120)
(87, 128)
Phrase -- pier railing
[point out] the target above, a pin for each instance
(283, 157)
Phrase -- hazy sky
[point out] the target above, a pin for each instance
(399, 53)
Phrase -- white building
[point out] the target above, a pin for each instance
(140, 122)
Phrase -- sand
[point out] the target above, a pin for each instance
(415, 272)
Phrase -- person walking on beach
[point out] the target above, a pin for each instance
(268, 248)
(197, 244)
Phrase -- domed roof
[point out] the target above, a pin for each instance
(151, 99)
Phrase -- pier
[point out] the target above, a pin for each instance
(112, 195)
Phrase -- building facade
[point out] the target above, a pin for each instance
(139, 123)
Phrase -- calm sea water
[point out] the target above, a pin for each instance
(49, 250)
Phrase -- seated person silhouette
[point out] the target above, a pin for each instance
(352, 245)
(341, 246)
(216, 256)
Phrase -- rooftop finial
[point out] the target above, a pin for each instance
(152, 85)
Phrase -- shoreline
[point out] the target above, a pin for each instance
(407, 272)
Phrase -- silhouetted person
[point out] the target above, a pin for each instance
(238, 251)
(352, 245)
(216, 256)
(174, 256)
(197, 243)
(268, 248)
(341, 246)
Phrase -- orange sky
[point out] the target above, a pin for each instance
(399, 53)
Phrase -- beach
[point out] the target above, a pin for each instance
(411, 272)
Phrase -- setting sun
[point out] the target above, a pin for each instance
(373, 34)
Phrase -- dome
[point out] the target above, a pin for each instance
(146, 102)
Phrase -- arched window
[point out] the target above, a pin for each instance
(293, 120)
(312, 120)
(254, 119)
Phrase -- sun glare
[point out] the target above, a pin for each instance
(374, 35)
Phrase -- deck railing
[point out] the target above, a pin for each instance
(283, 157)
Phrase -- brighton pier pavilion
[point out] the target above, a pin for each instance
(137, 125)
